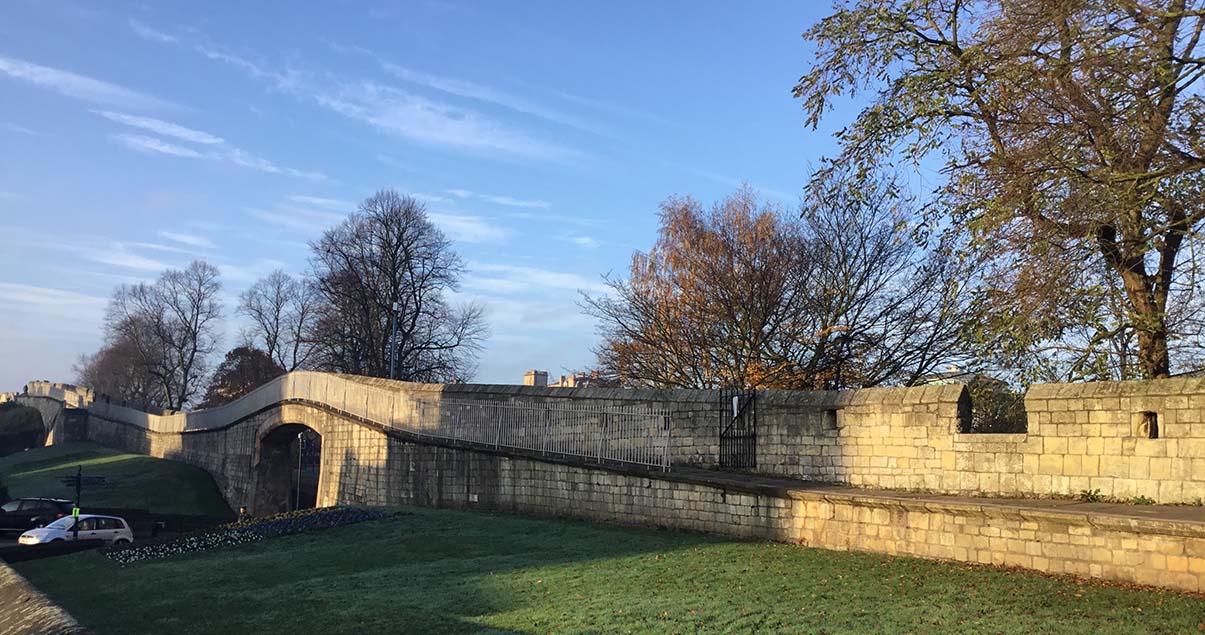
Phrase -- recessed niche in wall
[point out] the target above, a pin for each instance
(1146, 425)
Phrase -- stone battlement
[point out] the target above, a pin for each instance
(834, 469)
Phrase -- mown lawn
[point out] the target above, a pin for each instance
(132, 480)
(439, 571)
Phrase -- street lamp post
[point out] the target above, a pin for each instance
(300, 451)
(394, 310)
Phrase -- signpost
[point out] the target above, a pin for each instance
(78, 481)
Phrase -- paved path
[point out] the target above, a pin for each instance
(1191, 516)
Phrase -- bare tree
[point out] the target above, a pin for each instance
(117, 370)
(172, 327)
(749, 296)
(388, 254)
(283, 312)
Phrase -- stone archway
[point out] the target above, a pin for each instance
(288, 471)
(21, 428)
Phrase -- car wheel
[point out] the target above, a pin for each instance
(57, 540)
(121, 541)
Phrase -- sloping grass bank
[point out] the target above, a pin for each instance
(132, 480)
(440, 571)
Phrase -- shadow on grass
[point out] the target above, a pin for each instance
(424, 571)
(454, 572)
(132, 480)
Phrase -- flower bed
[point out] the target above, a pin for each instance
(239, 533)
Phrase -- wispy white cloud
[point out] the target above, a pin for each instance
(192, 240)
(470, 90)
(162, 128)
(300, 220)
(147, 33)
(250, 272)
(173, 249)
(78, 86)
(144, 143)
(784, 197)
(427, 198)
(496, 199)
(433, 123)
(514, 314)
(216, 148)
(540, 277)
(617, 109)
(280, 81)
(469, 229)
(514, 202)
(326, 203)
(405, 114)
(46, 296)
(117, 254)
(256, 71)
(582, 241)
(12, 127)
(247, 160)
(583, 221)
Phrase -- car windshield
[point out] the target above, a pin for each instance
(10, 506)
(62, 523)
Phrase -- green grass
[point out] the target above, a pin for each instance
(439, 571)
(132, 480)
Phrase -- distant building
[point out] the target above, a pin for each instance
(576, 380)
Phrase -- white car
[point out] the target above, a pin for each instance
(111, 529)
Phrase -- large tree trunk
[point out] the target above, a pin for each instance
(1152, 353)
(1150, 321)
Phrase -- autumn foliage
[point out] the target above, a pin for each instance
(747, 294)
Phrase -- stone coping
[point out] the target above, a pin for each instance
(1181, 520)
(1177, 520)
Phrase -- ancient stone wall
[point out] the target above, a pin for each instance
(26, 611)
(373, 453)
(1081, 437)
(1055, 541)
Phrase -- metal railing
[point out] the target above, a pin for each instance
(637, 434)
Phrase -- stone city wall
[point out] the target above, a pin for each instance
(883, 436)
(1054, 541)
(1081, 437)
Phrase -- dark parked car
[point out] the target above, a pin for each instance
(22, 514)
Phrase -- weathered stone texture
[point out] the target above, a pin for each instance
(25, 611)
(1080, 437)
(1116, 548)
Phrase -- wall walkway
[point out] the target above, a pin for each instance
(852, 470)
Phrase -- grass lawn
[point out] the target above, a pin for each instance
(439, 571)
(132, 480)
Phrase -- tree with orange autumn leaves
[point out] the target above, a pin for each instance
(745, 294)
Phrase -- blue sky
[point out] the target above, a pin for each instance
(541, 135)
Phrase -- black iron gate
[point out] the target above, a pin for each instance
(738, 428)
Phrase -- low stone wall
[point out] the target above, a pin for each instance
(1081, 437)
(366, 463)
(25, 611)
(1118, 548)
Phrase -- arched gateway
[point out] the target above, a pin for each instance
(288, 469)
